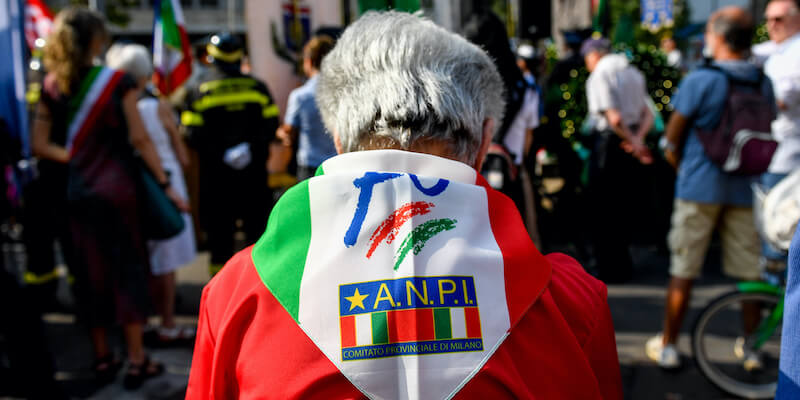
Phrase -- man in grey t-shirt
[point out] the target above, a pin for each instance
(620, 118)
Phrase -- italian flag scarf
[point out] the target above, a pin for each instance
(88, 103)
(172, 56)
(389, 262)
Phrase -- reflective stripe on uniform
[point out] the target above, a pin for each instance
(189, 118)
(271, 111)
(217, 100)
(230, 84)
(40, 279)
(215, 52)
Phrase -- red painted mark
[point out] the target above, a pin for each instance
(389, 229)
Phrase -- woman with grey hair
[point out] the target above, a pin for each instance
(408, 89)
(167, 255)
(397, 272)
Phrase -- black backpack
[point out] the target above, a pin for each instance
(742, 142)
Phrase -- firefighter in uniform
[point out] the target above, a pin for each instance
(231, 118)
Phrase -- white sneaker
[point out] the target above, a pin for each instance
(751, 359)
(666, 357)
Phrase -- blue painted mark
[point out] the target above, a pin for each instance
(365, 184)
(434, 190)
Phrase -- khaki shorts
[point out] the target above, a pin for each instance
(693, 225)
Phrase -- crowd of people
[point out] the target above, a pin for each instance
(402, 121)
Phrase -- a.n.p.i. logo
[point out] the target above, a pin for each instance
(409, 316)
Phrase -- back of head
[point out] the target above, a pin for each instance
(316, 49)
(69, 44)
(486, 30)
(394, 79)
(131, 58)
(735, 26)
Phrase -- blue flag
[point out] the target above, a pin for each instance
(657, 14)
(12, 71)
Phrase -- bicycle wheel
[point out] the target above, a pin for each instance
(721, 359)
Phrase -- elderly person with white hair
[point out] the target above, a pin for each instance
(397, 271)
(167, 255)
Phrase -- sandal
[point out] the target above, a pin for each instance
(138, 373)
(106, 368)
(170, 337)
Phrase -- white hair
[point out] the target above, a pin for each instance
(131, 58)
(395, 78)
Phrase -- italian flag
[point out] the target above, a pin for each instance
(88, 103)
(396, 265)
(38, 21)
(410, 326)
(172, 57)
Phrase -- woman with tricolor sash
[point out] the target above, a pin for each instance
(88, 120)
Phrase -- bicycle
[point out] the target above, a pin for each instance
(722, 348)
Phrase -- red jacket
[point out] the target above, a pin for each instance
(562, 348)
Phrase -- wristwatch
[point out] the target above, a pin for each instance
(666, 145)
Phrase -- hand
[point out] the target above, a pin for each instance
(177, 200)
(632, 144)
(642, 153)
(284, 136)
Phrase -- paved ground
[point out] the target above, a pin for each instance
(636, 308)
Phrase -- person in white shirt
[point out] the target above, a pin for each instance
(168, 255)
(520, 135)
(617, 95)
(759, 53)
(783, 68)
(674, 56)
(519, 138)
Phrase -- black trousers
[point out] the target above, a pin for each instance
(614, 204)
(228, 196)
(32, 368)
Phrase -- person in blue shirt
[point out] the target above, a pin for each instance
(302, 120)
(789, 378)
(706, 198)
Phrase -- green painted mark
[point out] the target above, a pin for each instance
(420, 235)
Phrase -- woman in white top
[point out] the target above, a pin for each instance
(167, 255)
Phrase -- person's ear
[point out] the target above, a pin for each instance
(336, 142)
(486, 141)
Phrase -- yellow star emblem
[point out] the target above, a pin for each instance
(357, 300)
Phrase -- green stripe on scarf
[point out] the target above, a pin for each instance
(77, 100)
(280, 255)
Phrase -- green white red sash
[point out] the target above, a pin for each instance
(88, 104)
(389, 263)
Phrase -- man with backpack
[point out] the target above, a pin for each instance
(712, 191)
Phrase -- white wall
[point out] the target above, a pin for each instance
(266, 65)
